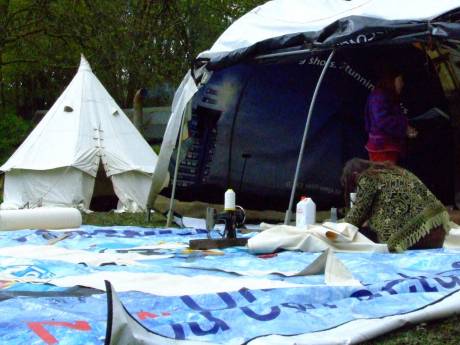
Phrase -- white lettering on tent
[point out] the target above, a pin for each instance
(316, 61)
(361, 38)
(314, 187)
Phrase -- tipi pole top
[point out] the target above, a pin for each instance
(84, 64)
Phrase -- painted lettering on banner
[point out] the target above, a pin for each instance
(413, 284)
(47, 337)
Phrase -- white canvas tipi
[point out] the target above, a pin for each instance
(57, 163)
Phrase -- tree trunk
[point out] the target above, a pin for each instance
(2, 86)
(138, 113)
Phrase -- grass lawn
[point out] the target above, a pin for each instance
(441, 332)
(112, 218)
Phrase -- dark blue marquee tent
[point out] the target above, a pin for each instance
(249, 111)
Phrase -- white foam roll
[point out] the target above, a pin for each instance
(40, 218)
(229, 204)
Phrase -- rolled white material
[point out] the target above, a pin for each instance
(40, 218)
(229, 204)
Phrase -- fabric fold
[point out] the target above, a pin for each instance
(341, 237)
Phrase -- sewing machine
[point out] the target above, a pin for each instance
(232, 219)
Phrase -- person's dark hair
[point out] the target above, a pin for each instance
(386, 81)
(355, 168)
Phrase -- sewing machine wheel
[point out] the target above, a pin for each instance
(240, 216)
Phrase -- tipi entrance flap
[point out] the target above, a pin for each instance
(132, 189)
(103, 197)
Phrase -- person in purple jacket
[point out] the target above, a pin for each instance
(385, 122)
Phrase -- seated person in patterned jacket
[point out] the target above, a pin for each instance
(395, 204)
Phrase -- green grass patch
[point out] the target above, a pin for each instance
(440, 332)
(156, 148)
(157, 220)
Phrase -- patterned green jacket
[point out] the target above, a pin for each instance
(397, 206)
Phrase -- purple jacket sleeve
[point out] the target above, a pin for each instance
(385, 116)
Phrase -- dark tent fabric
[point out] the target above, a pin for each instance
(248, 119)
(349, 31)
(251, 91)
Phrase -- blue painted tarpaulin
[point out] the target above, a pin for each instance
(40, 313)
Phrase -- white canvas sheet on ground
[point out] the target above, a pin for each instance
(121, 326)
(123, 329)
(357, 331)
(341, 237)
(75, 256)
(334, 271)
(163, 284)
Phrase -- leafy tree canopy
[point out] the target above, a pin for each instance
(129, 43)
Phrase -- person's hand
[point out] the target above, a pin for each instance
(411, 132)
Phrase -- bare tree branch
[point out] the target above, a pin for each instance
(19, 61)
(23, 35)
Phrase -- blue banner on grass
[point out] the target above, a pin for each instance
(44, 314)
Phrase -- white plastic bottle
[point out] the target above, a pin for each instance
(305, 212)
(229, 200)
